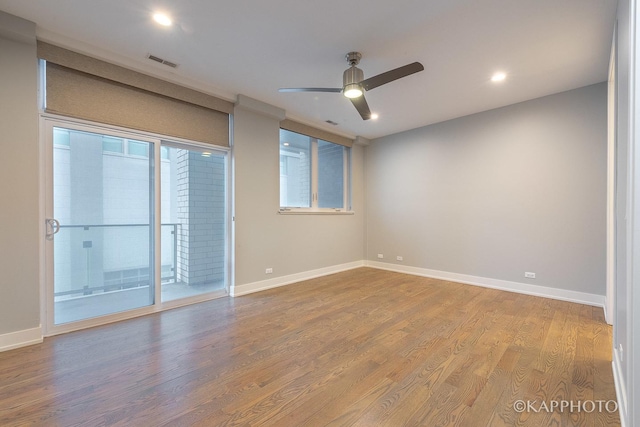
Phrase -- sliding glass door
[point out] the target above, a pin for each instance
(194, 221)
(103, 193)
(134, 224)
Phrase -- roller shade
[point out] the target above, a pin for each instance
(87, 88)
(315, 132)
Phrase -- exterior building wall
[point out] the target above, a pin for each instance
(330, 175)
(201, 214)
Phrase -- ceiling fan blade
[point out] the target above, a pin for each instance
(389, 76)
(311, 89)
(361, 105)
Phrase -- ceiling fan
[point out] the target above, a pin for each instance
(354, 84)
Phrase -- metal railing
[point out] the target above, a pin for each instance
(122, 259)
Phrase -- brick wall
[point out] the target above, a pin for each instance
(201, 213)
(330, 175)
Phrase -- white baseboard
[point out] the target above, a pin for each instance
(20, 338)
(621, 389)
(504, 285)
(263, 285)
(523, 288)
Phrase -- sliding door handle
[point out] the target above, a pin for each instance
(53, 226)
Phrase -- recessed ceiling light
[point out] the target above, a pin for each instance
(498, 77)
(374, 116)
(286, 144)
(162, 19)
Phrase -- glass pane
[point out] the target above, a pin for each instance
(103, 253)
(295, 170)
(60, 137)
(330, 175)
(193, 223)
(137, 148)
(112, 145)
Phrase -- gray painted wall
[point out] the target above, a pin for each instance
(495, 194)
(287, 243)
(19, 175)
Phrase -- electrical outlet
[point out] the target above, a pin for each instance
(380, 256)
(269, 271)
(530, 275)
(399, 258)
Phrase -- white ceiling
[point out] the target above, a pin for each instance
(255, 47)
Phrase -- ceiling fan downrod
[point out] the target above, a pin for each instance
(353, 58)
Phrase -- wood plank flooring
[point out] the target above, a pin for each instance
(359, 348)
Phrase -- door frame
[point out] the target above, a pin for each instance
(47, 122)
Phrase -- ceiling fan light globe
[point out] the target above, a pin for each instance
(353, 91)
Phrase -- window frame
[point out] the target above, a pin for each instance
(314, 209)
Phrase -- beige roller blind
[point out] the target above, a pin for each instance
(315, 132)
(87, 88)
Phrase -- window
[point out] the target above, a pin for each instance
(136, 148)
(295, 170)
(112, 145)
(313, 174)
(61, 137)
(330, 175)
(164, 153)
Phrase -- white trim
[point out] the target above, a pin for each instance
(44, 160)
(157, 223)
(314, 173)
(504, 285)
(296, 211)
(621, 389)
(231, 210)
(263, 285)
(609, 307)
(346, 185)
(20, 338)
(46, 295)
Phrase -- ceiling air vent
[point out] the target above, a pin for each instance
(162, 61)
(331, 122)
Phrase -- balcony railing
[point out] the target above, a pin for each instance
(92, 258)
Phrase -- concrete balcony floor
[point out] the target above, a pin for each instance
(99, 304)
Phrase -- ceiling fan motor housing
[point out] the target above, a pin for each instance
(352, 75)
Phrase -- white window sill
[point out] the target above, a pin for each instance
(314, 212)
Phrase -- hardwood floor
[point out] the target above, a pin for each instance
(360, 348)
